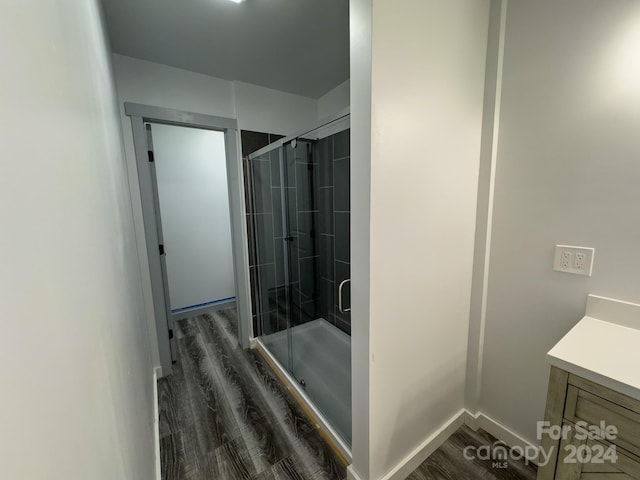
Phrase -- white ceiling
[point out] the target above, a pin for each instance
(297, 46)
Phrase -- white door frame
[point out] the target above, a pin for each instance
(141, 114)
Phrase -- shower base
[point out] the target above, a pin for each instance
(321, 358)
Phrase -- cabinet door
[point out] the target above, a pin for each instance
(586, 459)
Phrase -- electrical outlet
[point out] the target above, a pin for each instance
(577, 260)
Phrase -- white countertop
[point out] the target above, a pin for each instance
(605, 350)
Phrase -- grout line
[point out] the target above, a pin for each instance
(333, 184)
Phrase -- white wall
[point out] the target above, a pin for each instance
(425, 148)
(266, 110)
(150, 83)
(334, 101)
(567, 172)
(193, 193)
(75, 366)
(256, 108)
(360, 93)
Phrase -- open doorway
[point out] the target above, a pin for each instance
(194, 221)
(191, 200)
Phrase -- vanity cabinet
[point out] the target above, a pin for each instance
(600, 434)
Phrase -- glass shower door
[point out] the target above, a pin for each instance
(301, 232)
(272, 272)
(320, 332)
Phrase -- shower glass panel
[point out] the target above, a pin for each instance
(301, 240)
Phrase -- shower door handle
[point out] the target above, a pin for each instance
(340, 307)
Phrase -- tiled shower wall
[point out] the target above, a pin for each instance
(261, 216)
(333, 159)
(312, 231)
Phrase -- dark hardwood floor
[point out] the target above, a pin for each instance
(224, 415)
(449, 463)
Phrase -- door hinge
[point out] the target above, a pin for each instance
(150, 154)
(161, 249)
(170, 333)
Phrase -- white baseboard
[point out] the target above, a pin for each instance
(351, 474)
(498, 430)
(157, 373)
(426, 448)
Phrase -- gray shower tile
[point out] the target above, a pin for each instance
(344, 325)
(341, 144)
(306, 187)
(261, 186)
(325, 210)
(266, 282)
(274, 160)
(309, 310)
(291, 211)
(273, 298)
(343, 236)
(274, 136)
(278, 229)
(341, 176)
(283, 307)
(295, 298)
(326, 256)
(326, 299)
(324, 158)
(280, 252)
(253, 141)
(255, 289)
(270, 322)
(294, 259)
(263, 225)
(289, 166)
(250, 219)
(306, 234)
(309, 277)
(248, 188)
(302, 151)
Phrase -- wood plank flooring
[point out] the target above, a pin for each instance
(448, 461)
(225, 416)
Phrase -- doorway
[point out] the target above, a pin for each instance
(189, 176)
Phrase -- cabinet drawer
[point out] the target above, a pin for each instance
(593, 409)
(623, 467)
(604, 392)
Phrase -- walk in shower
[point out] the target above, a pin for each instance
(298, 229)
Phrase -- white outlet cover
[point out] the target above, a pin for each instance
(581, 262)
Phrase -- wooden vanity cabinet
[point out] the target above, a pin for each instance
(573, 401)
